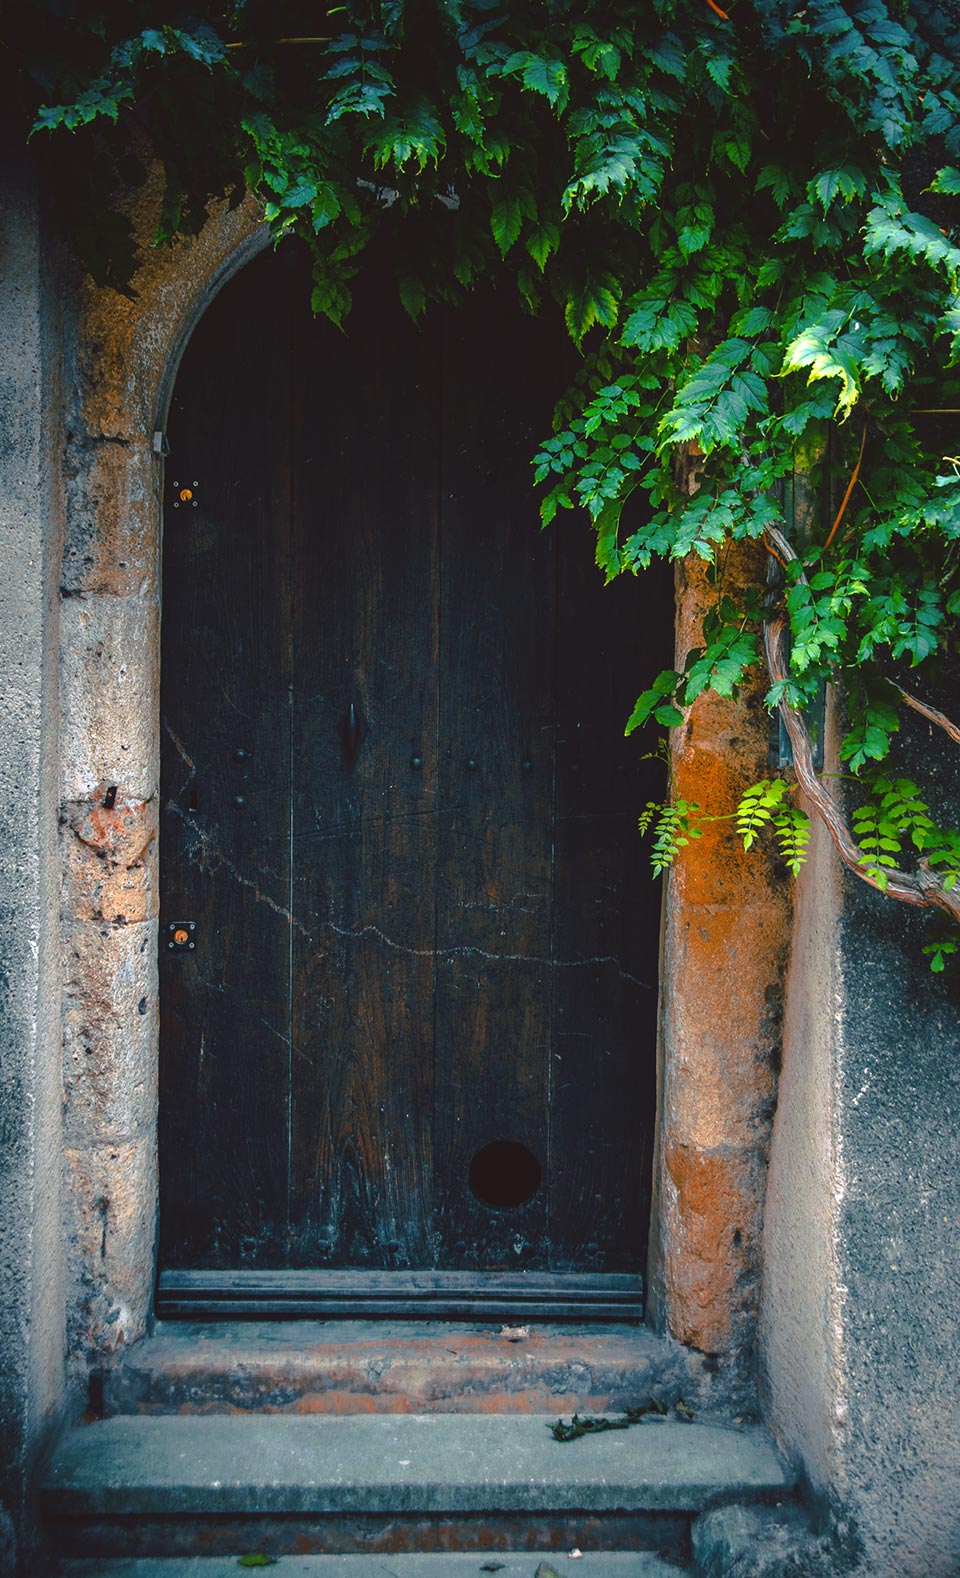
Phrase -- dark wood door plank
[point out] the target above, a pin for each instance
(607, 917)
(365, 635)
(494, 864)
(225, 772)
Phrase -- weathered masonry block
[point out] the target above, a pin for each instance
(110, 1025)
(109, 680)
(110, 1190)
(108, 865)
(111, 506)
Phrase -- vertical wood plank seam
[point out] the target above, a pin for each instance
(441, 358)
(555, 760)
(291, 729)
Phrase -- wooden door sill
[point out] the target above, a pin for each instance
(514, 1296)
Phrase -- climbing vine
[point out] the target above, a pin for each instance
(747, 218)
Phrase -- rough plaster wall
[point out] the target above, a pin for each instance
(800, 1330)
(31, 1310)
(898, 1093)
(860, 1327)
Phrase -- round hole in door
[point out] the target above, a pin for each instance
(504, 1173)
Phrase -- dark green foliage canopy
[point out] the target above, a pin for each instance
(747, 218)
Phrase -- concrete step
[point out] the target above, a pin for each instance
(221, 1485)
(353, 1366)
(473, 1564)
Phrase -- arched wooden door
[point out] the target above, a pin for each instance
(408, 943)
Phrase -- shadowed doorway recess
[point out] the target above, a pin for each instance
(408, 941)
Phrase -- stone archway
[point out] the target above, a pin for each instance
(726, 916)
(126, 355)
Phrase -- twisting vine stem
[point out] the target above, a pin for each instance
(924, 888)
(931, 714)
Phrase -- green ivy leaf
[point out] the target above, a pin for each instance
(413, 296)
(506, 222)
(946, 180)
(540, 240)
(595, 303)
(326, 207)
(542, 74)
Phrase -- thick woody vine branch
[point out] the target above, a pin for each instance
(923, 887)
(931, 714)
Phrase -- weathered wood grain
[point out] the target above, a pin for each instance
(364, 582)
(424, 926)
(225, 776)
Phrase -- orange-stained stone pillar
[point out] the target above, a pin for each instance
(726, 928)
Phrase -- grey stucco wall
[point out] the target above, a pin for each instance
(862, 1294)
(31, 1309)
(800, 1321)
(898, 1096)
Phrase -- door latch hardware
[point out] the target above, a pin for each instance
(181, 939)
(185, 495)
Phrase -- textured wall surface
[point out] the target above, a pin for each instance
(802, 1299)
(898, 1094)
(31, 1308)
(863, 1219)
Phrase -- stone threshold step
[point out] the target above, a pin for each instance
(475, 1564)
(304, 1366)
(398, 1464)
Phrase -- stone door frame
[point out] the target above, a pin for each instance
(726, 916)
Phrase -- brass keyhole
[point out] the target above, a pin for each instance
(186, 494)
(180, 936)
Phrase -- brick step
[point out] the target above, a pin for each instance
(372, 1366)
(223, 1485)
(473, 1564)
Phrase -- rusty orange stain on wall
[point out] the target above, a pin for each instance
(726, 929)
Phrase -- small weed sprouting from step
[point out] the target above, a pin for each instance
(587, 1425)
(256, 1559)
